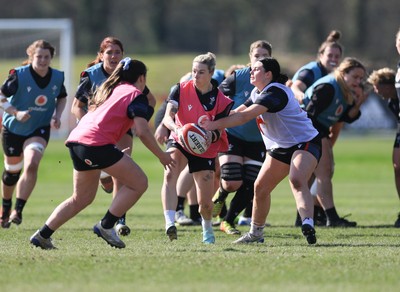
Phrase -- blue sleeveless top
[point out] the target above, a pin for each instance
(336, 108)
(29, 96)
(248, 131)
(313, 66)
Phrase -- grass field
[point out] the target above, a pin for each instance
(365, 258)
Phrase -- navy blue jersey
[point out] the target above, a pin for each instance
(310, 73)
(325, 104)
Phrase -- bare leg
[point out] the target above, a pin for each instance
(271, 174)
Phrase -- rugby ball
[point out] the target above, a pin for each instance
(194, 138)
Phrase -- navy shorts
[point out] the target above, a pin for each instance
(285, 154)
(253, 150)
(93, 157)
(195, 163)
(13, 143)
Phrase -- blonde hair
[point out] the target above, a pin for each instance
(42, 44)
(345, 67)
(382, 76)
(208, 59)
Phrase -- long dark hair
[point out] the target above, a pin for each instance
(271, 64)
(103, 46)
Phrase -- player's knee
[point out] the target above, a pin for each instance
(251, 172)
(10, 178)
(232, 171)
(298, 182)
(11, 173)
(36, 146)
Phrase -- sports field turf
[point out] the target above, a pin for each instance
(365, 258)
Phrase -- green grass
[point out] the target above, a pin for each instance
(365, 258)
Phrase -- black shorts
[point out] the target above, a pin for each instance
(285, 154)
(93, 157)
(13, 143)
(195, 163)
(253, 150)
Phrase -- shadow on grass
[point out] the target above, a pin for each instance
(356, 245)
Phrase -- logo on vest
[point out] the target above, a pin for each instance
(41, 100)
(212, 100)
(339, 110)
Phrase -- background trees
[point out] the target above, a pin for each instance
(224, 26)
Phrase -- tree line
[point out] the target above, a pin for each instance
(225, 26)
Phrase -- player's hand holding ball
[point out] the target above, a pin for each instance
(194, 138)
(206, 124)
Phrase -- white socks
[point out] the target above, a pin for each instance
(308, 221)
(256, 230)
(206, 224)
(169, 216)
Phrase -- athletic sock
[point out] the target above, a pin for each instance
(256, 230)
(319, 215)
(181, 203)
(318, 210)
(169, 216)
(194, 212)
(224, 211)
(109, 220)
(7, 203)
(19, 205)
(206, 224)
(331, 214)
(237, 205)
(46, 232)
(248, 211)
(308, 221)
(223, 194)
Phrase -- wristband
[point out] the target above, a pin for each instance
(216, 134)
